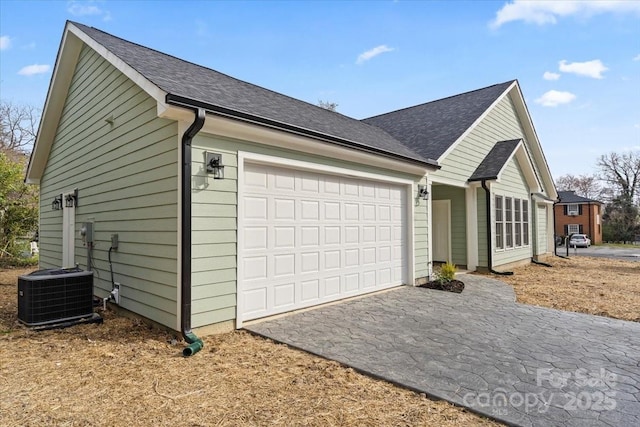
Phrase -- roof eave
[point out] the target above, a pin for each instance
(181, 101)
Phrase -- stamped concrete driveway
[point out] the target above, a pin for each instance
(520, 364)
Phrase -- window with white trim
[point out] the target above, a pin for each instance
(499, 223)
(573, 228)
(573, 209)
(508, 219)
(517, 223)
(525, 223)
(512, 222)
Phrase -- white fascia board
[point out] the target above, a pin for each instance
(476, 123)
(236, 129)
(525, 162)
(534, 142)
(61, 77)
(154, 91)
(66, 61)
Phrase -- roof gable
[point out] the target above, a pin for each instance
(495, 161)
(184, 79)
(433, 128)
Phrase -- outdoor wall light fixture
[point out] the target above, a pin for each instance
(423, 193)
(214, 165)
(71, 200)
(56, 205)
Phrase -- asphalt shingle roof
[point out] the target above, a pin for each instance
(495, 160)
(431, 128)
(572, 197)
(185, 79)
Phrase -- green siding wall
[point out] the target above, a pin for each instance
(500, 124)
(458, 220)
(126, 175)
(215, 224)
(421, 232)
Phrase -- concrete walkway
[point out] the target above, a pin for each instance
(520, 364)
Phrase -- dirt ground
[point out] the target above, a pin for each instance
(605, 287)
(124, 373)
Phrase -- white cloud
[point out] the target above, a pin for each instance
(593, 69)
(550, 76)
(637, 57)
(34, 69)
(365, 56)
(5, 42)
(553, 98)
(88, 8)
(548, 12)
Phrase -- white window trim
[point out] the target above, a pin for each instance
(502, 224)
(513, 222)
(577, 228)
(572, 212)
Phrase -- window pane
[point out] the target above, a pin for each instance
(509, 234)
(525, 210)
(516, 207)
(507, 209)
(518, 234)
(525, 233)
(498, 208)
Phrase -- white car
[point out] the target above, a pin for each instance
(579, 241)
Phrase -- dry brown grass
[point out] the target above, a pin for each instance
(125, 373)
(600, 286)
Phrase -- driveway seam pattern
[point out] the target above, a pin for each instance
(520, 364)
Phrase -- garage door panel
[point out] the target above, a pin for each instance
(311, 238)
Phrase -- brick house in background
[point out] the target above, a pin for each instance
(577, 214)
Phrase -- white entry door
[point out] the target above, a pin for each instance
(68, 233)
(441, 226)
(307, 238)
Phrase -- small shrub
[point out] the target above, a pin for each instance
(446, 273)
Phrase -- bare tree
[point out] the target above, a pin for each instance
(622, 172)
(18, 127)
(584, 185)
(331, 106)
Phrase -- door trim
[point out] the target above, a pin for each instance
(447, 204)
(244, 156)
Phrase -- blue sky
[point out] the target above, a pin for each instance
(578, 62)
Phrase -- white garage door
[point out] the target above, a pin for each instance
(308, 238)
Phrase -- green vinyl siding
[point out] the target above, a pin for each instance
(458, 220)
(500, 124)
(421, 234)
(215, 224)
(126, 176)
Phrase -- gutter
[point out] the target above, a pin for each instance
(195, 344)
(285, 127)
(489, 236)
